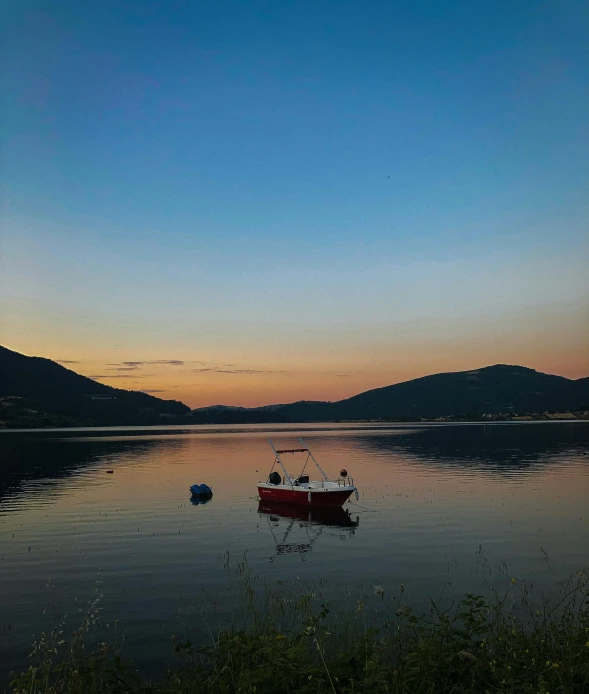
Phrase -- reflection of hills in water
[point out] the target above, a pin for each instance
(296, 529)
(497, 448)
(36, 465)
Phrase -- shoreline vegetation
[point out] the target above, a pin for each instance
(290, 639)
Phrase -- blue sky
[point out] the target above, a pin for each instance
(251, 179)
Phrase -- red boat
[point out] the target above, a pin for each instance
(302, 490)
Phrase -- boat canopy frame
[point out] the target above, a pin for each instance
(305, 449)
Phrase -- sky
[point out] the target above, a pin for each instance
(246, 202)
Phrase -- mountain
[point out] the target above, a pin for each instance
(39, 392)
(492, 391)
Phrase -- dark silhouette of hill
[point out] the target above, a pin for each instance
(218, 414)
(36, 392)
(493, 390)
(39, 392)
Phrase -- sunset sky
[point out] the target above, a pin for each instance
(247, 202)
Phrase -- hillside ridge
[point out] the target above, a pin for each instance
(36, 391)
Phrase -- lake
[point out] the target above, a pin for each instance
(444, 509)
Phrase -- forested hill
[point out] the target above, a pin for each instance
(39, 392)
(491, 391)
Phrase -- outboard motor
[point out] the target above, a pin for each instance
(274, 478)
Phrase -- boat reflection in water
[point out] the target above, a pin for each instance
(296, 529)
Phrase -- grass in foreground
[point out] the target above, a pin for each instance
(294, 644)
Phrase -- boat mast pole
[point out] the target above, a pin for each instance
(286, 475)
(313, 459)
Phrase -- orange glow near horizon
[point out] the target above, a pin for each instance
(252, 365)
(247, 384)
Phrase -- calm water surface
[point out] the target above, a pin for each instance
(446, 503)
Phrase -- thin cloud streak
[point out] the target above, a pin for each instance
(138, 364)
(237, 371)
(171, 362)
(109, 376)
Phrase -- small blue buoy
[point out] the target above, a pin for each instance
(201, 490)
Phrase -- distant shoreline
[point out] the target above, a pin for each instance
(535, 418)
